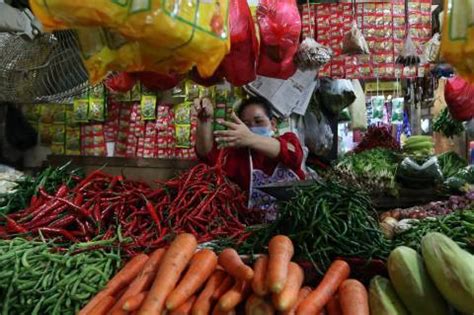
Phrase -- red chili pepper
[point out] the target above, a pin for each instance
(152, 211)
(63, 222)
(62, 232)
(13, 226)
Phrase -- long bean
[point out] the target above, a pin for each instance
(44, 281)
(326, 221)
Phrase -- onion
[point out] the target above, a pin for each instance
(388, 226)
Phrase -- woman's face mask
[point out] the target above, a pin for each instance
(262, 131)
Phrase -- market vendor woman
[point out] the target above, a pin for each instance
(254, 155)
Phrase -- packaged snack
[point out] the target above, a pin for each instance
(397, 110)
(182, 113)
(378, 105)
(73, 141)
(81, 108)
(183, 133)
(148, 105)
(97, 103)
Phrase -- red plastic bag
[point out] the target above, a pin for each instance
(159, 82)
(459, 95)
(280, 28)
(216, 78)
(122, 82)
(239, 65)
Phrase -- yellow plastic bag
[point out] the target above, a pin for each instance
(194, 31)
(457, 41)
(56, 14)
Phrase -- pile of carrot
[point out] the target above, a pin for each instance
(182, 280)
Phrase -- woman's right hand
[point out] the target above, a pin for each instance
(204, 109)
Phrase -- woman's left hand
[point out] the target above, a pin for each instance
(237, 134)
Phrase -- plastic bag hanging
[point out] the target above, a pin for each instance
(121, 82)
(280, 29)
(409, 55)
(431, 48)
(312, 55)
(459, 95)
(354, 42)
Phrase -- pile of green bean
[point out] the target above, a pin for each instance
(458, 226)
(36, 278)
(326, 221)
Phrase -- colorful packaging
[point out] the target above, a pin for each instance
(397, 110)
(148, 104)
(81, 108)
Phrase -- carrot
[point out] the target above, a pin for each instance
(353, 298)
(118, 282)
(142, 282)
(185, 308)
(302, 294)
(288, 297)
(257, 305)
(234, 296)
(280, 252)
(334, 307)
(316, 300)
(225, 286)
(103, 307)
(217, 311)
(134, 302)
(259, 284)
(201, 267)
(202, 306)
(230, 260)
(173, 264)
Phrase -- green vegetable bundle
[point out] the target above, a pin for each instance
(459, 226)
(49, 179)
(451, 163)
(36, 278)
(325, 221)
(372, 170)
(447, 125)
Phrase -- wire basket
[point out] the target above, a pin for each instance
(46, 69)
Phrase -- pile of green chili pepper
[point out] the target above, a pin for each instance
(326, 221)
(458, 225)
(28, 188)
(38, 278)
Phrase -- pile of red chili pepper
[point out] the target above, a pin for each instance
(201, 201)
(377, 137)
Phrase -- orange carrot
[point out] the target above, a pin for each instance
(186, 307)
(259, 284)
(225, 286)
(103, 307)
(233, 264)
(304, 292)
(334, 307)
(353, 298)
(201, 267)
(316, 300)
(142, 282)
(234, 296)
(288, 297)
(118, 282)
(202, 306)
(173, 264)
(217, 311)
(257, 305)
(134, 302)
(280, 252)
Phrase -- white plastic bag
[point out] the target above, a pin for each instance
(317, 133)
(354, 42)
(358, 109)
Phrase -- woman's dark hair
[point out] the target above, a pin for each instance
(254, 100)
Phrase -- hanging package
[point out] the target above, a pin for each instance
(190, 34)
(354, 42)
(358, 109)
(335, 95)
(312, 55)
(431, 49)
(239, 65)
(280, 27)
(18, 131)
(457, 40)
(318, 135)
(459, 96)
(409, 55)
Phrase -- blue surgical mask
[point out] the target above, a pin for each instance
(262, 131)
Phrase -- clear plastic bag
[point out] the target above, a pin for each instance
(280, 27)
(335, 95)
(354, 42)
(312, 55)
(409, 55)
(414, 174)
(318, 135)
